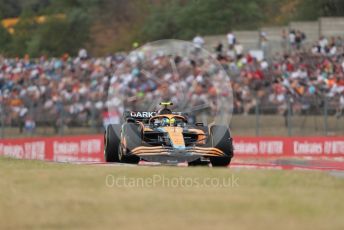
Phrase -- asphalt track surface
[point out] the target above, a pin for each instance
(276, 164)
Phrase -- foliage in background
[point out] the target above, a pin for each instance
(117, 25)
(183, 19)
(105, 26)
(313, 9)
(24, 30)
(54, 37)
(5, 38)
(58, 36)
(14, 8)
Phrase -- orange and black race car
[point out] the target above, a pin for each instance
(167, 137)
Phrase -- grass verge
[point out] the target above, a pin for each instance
(41, 195)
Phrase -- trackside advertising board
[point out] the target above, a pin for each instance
(61, 149)
(289, 146)
(90, 148)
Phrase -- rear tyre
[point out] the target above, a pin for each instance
(222, 140)
(133, 138)
(111, 143)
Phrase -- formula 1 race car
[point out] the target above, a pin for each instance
(167, 137)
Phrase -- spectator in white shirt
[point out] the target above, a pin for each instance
(323, 42)
(198, 41)
(239, 49)
(83, 53)
(231, 40)
(292, 38)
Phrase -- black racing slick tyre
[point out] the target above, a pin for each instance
(132, 134)
(111, 143)
(220, 161)
(222, 140)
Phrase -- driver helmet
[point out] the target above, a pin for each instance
(165, 121)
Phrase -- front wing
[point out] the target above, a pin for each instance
(165, 154)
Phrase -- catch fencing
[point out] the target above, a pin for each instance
(305, 116)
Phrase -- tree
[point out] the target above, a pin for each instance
(23, 32)
(9, 8)
(59, 36)
(5, 40)
(184, 19)
(14, 8)
(313, 9)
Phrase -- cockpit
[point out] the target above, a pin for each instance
(167, 120)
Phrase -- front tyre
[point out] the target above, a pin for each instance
(220, 161)
(222, 140)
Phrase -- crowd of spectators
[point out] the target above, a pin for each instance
(74, 90)
(304, 78)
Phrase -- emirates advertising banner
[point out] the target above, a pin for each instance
(60, 149)
(90, 148)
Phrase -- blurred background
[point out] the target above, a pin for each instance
(285, 59)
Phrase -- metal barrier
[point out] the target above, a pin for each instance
(316, 116)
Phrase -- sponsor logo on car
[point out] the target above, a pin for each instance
(142, 114)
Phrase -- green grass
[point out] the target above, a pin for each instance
(40, 195)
